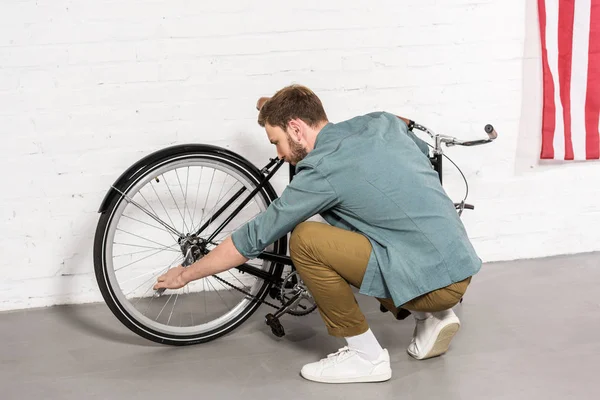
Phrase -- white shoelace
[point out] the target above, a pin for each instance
(344, 350)
(341, 351)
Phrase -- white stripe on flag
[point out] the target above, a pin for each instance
(579, 70)
(552, 47)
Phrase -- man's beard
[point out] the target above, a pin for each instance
(297, 151)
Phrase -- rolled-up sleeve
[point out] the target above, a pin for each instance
(308, 194)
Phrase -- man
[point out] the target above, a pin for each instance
(392, 231)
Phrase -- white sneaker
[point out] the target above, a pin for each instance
(433, 334)
(346, 366)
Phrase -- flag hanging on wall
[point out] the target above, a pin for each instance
(570, 36)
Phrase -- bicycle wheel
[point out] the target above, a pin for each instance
(179, 191)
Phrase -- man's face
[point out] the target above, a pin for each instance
(288, 147)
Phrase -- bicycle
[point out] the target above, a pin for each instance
(269, 279)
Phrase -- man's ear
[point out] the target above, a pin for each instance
(295, 130)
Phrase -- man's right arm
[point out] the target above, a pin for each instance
(308, 194)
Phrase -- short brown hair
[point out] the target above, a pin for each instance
(294, 101)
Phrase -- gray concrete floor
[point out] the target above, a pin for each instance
(530, 331)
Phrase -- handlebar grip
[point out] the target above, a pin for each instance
(492, 134)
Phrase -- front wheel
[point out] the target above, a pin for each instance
(173, 199)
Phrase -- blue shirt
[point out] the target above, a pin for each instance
(370, 174)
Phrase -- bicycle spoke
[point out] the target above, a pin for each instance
(226, 304)
(185, 207)
(151, 286)
(181, 314)
(187, 183)
(153, 226)
(145, 251)
(163, 205)
(162, 270)
(204, 295)
(174, 201)
(189, 308)
(131, 201)
(172, 309)
(235, 212)
(145, 247)
(208, 193)
(218, 200)
(147, 203)
(145, 273)
(225, 234)
(225, 206)
(137, 261)
(161, 310)
(196, 201)
(236, 278)
(211, 211)
(228, 289)
(232, 230)
(149, 303)
(141, 237)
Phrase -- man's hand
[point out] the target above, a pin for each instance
(173, 279)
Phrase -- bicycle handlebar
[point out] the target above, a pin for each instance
(489, 129)
(453, 141)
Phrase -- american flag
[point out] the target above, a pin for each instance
(570, 36)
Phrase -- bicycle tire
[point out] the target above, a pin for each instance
(127, 183)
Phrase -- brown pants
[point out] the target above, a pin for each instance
(331, 259)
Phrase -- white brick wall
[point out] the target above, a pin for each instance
(88, 87)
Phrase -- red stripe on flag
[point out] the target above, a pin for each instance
(592, 102)
(549, 108)
(566, 15)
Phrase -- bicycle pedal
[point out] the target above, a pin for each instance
(275, 325)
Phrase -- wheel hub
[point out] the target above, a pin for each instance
(196, 244)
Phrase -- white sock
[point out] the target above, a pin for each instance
(366, 344)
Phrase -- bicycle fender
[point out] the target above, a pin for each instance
(138, 168)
